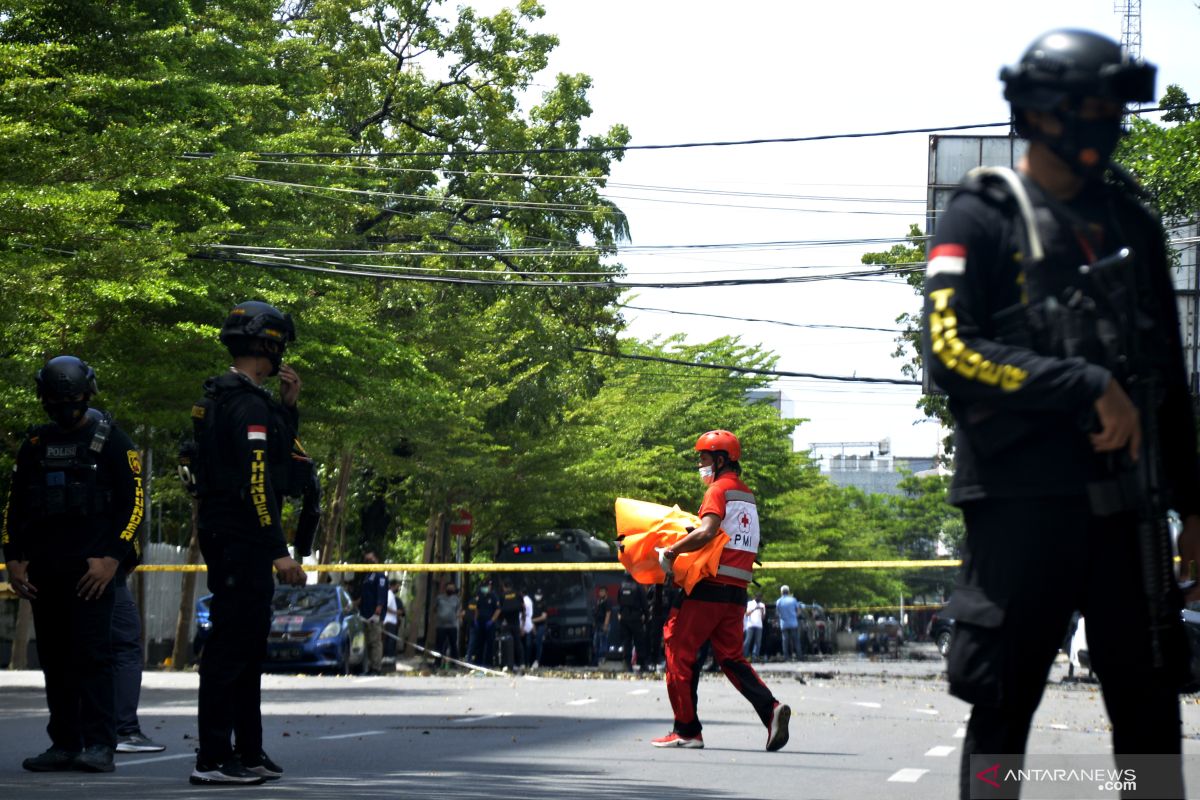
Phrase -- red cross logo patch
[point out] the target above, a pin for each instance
(744, 521)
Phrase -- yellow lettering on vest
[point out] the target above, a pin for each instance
(139, 510)
(989, 373)
(258, 488)
(941, 298)
(1012, 378)
(969, 365)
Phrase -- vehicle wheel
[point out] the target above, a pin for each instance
(584, 653)
(943, 643)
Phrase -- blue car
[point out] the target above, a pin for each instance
(312, 627)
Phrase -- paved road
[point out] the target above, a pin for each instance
(860, 729)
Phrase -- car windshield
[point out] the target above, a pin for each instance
(305, 600)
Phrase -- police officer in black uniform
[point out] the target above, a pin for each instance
(632, 609)
(69, 530)
(1022, 340)
(245, 440)
(487, 612)
(512, 607)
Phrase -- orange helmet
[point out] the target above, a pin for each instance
(720, 440)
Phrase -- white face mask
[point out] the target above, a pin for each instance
(706, 474)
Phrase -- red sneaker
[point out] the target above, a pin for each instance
(777, 731)
(673, 739)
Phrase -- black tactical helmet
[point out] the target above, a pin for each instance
(1073, 64)
(256, 320)
(65, 377)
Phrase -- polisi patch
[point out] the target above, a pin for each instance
(61, 450)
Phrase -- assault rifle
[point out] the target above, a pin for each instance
(1133, 485)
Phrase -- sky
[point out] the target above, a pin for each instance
(700, 71)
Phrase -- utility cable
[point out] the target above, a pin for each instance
(769, 321)
(624, 148)
(302, 266)
(747, 370)
(615, 148)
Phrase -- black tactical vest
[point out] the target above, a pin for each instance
(68, 482)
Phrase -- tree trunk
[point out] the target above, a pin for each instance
(418, 629)
(334, 524)
(20, 645)
(183, 624)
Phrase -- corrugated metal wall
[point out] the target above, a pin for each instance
(161, 590)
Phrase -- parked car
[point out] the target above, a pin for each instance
(941, 633)
(312, 627)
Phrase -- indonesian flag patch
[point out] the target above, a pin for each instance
(256, 432)
(947, 259)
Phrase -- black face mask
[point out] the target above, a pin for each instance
(1087, 145)
(276, 360)
(65, 414)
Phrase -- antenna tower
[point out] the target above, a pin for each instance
(1131, 26)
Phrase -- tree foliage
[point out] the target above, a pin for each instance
(163, 160)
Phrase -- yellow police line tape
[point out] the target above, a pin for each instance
(7, 593)
(918, 607)
(578, 566)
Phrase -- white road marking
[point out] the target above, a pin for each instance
(930, 711)
(351, 735)
(941, 751)
(961, 733)
(485, 717)
(870, 705)
(1058, 726)
(640, 691)
(123, 763)
(908, 775)
(582, 702)
(371, 679)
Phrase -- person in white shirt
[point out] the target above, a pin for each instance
(756, 609)
(527, 630)
(391, 620)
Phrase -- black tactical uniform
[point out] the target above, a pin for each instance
(76, 494)
(246, 459)
(1047, 529)
(660, 607)
(632, 611)
(512, 605)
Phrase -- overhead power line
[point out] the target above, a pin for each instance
(615, 148)
(768, 321)
(304, 266)
(623, 148)
(746, 370)
(609, 184)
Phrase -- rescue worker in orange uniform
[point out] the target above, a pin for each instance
(713, 610)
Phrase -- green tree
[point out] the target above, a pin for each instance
(1163, 157)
